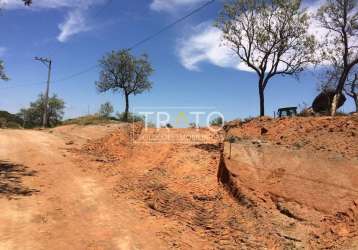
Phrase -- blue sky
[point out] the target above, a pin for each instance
(190, 69)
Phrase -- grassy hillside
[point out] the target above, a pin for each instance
(90, 120)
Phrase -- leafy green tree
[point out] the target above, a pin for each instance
(123, 72)
(8, 120)
(340, 19)
(106, 109)
(270, 37)
(218, 121)
(33, 115)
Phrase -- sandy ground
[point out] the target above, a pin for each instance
(49, 202)
(116, 187)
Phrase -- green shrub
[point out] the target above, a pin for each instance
(218, 121)
(106, 109)
(33, 115)
(192, 125)
(90, 120)
(13, 125)
(8, 120)
(131, 117)
(3, 122)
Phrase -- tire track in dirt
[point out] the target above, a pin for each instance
(72, 210)
(175, 187)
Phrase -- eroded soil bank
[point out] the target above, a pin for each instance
(301, 175)
(108, 187)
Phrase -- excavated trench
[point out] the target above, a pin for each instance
(310, 199)
(285, 202)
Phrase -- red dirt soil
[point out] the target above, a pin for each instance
(322, 134)
(300, 175)
(276, 197)
(110, 187)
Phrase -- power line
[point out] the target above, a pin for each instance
(148, 38)
(171, 25)
(137, 44)
(82, 72)
(98, 13)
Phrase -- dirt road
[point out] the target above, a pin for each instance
(56, 193)
(94, 187)
(47, 202)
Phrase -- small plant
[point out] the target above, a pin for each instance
(131, 117)
(106, 110)
(305, 110)
(218, 121)
(90, 120)
(13, 125)
(192, 125)
(3, 122)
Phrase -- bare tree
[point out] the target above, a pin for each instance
(340, 19)
(123, 72)
(270, 37)
(351, 89)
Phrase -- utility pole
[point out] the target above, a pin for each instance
(48, 63)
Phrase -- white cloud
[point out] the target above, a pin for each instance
(170, 5)
(75, 23)
(76, 20)
(206, 46)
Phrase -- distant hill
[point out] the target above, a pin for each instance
(8, 120)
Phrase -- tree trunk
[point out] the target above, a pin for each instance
(339, 90)
(335, 101)
(262, 98)
(126, 112)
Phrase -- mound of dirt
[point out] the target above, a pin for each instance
(310, 194)
(175, 185)
(114, 146)
(273, 197)
(337, 135)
